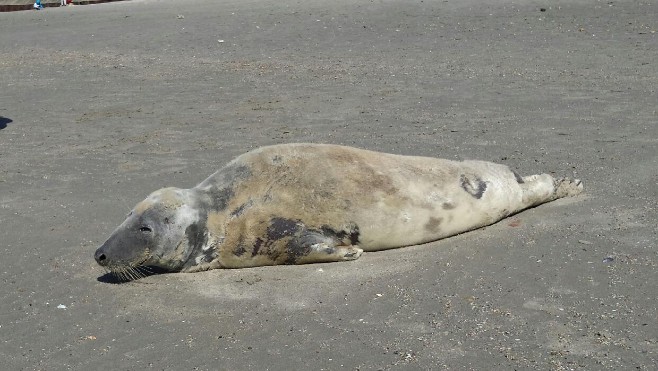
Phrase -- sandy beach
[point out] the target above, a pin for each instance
(100, 105)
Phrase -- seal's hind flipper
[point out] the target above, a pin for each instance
(566, 187)
(541, 188)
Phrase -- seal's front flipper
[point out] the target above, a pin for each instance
(315, 247)
(322, 253)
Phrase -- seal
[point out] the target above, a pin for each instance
(308, 203)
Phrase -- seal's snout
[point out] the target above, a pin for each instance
(100, 257)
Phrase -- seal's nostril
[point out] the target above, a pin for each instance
(100, 257)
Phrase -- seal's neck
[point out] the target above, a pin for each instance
(202, 236)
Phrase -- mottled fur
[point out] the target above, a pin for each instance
(305, 203)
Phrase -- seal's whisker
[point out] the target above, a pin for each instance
(128, 273)
(122, 274)
(144, 271)
(138, 273)
(135, 273)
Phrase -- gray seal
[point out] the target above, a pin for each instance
(308, 203)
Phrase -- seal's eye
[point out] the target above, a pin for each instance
(145, 229)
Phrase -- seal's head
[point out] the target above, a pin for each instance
(155, 235)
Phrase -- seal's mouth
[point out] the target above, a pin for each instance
(131, 271)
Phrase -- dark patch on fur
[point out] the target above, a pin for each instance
(518, 177)
(324, 194)
(330, 250)
(433, 225)
(473, 185)
(273, 254)
(347, 236)
(279, 229)
(208, 256)
(219, 198)
(277, 159)
(257, 245)
(240, 209)
(296, 249)
(448, 206)
(268, 196)
(282, 227)
(240, 250)
(197, 238)
(223, 183)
